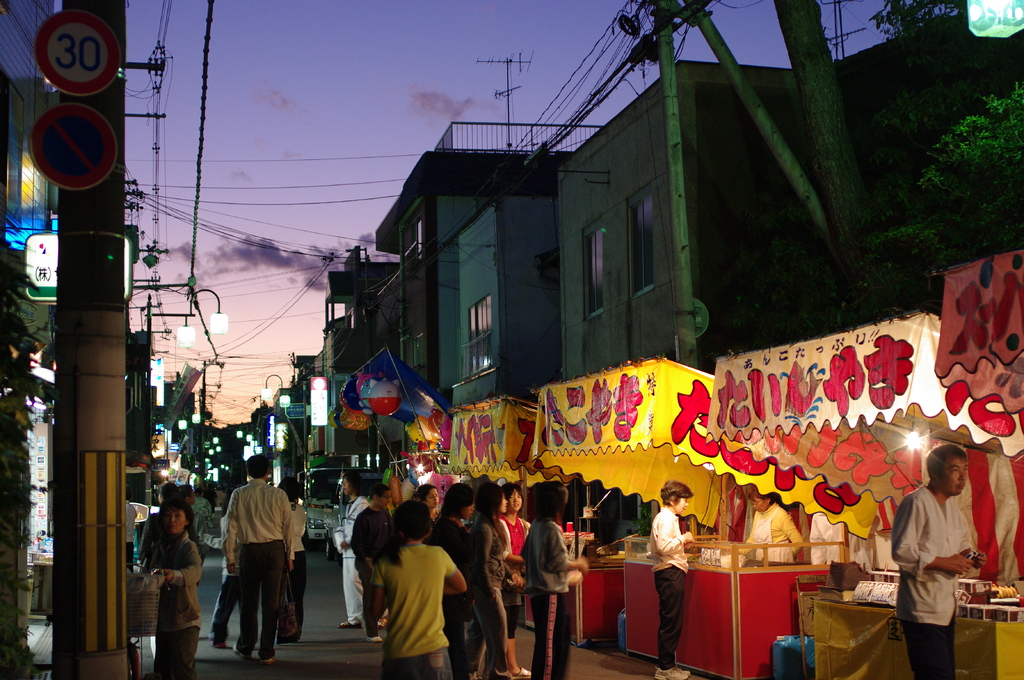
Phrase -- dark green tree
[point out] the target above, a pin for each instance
(934, 116)
(18, 387)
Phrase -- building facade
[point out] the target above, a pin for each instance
(616, 240)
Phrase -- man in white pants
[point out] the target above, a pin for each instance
(351, 486)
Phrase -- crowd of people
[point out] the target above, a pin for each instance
(447, 580)
(452, 594)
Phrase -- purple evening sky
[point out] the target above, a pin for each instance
(316, 113)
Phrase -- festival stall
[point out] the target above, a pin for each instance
(492, 438)
(387, 387)
(859, 409)
(637, 425)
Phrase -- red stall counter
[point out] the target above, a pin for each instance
(732, 615)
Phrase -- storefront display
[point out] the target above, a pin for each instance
(742, 607)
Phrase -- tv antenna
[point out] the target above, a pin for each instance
(838, 41)
(506, 94)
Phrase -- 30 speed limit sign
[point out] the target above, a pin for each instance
(77, 52)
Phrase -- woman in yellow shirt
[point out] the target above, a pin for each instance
(772, 524)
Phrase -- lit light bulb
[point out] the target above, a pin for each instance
(914, 441)
(218, 324)
(186, 336)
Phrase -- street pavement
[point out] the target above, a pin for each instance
(325, 651)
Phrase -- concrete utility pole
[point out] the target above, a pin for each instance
(686, 335)
(89, 478)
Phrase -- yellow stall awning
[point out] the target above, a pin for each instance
(637, 425)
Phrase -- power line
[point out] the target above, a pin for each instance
(297, 160)
(298, 186)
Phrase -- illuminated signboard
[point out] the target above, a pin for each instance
(318, 401)
(995, 18)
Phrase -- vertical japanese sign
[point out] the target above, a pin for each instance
(318, 401)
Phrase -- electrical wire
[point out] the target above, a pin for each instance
(202, 134)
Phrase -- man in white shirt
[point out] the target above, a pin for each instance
(259, 541)
(929, 545)
(352, 486)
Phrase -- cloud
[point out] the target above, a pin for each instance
(292, 154)
(433, 105)
(276, 98)
(260, 255)
(240, 176)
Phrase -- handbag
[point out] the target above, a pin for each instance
(287, 623)
(509, 586)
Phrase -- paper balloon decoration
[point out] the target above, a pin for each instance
(385, 398)
(437, 418)
(350, 394)
(413, 430)
(353, 420)
(407, 488)
(427, 429)
(446, 434)
(395, 486)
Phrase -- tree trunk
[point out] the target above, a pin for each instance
(834, 165)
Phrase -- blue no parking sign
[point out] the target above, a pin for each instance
(73, 146)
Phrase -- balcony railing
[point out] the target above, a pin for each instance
(476, 355)
(505, 137)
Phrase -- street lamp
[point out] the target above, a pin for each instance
(197, 418)
(182, 424)
(266, 393)
(186, 336)
(218, 320)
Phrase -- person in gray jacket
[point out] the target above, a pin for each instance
(547, 581)
(488, 629)
(176, 558)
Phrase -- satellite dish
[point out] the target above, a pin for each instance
(701, 318)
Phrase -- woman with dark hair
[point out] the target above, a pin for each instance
(668, 548)
(427, 493)
(547, 581)
(514, 531)
(450, 533)
(293, 490)
(230, 590)
(411, 579)
(176, 558)
(488, 631)
(772, 524)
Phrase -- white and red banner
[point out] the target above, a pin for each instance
(983, 334)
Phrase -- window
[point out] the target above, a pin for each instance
(641, 236)
(593, 270)
(414, 239)
(476, 354)
(418, 356)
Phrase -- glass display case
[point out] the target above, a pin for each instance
(739, 595)
(708, 552)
